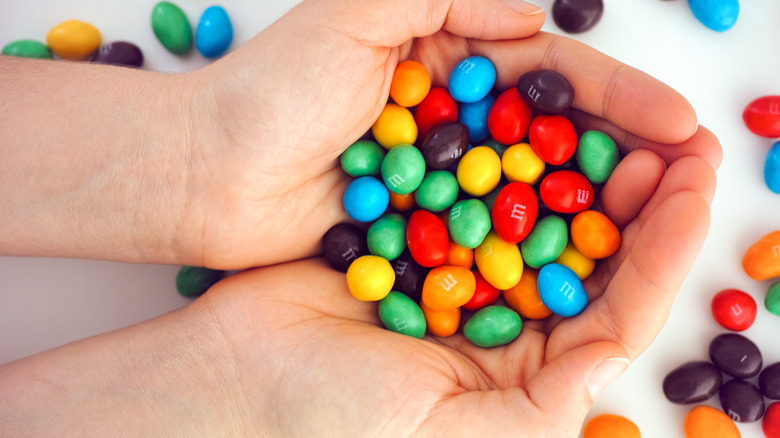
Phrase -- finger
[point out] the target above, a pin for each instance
(603, 86)
(631, 185)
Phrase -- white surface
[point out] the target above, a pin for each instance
(48, 302)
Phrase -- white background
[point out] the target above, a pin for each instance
(45, 303)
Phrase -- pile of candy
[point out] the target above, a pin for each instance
(520, 213)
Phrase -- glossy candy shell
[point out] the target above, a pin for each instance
(214, 33)
(499, 262)
(762, 116)
(546, 91)
(741, 400)
(343, 244)
(514, 212)
(475, 117)
(566, 191)
(370, 278)
(192, 281)
(410, 83)
(472, 79)
(561, 290)
(770, 424)
(692, 382)
(553, 138)
(736, 355)
(427, 239)
(493, 326)
(172, 28)
(27, 49)
(366, 199)
(772, 168)
(733, 309)
(762, 260)
(120, 53)
(577, 16)
(509, 118)
(74, 40)
(437, 107)
(610, 426)
(708, 422)
(401, 314)
(718, 15)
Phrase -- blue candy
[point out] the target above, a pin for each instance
(718, 15)
(772, 168)
(561, 290)
(366, 199)
(475, 115)
(472, 79)
(214, 33)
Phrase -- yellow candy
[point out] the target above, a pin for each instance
(499, 262)
(574, 260)
(73, 39)
(521, 163)
(394, 126)
(479, 171)
(370, 278)
(610, 426)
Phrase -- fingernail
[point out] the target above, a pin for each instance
(523, 7)
(604, 374)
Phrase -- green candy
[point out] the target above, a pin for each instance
(493, 326)
(438, 191)
(172, 28)
(193, 281)
(403, 169)
(597, 155)
(362, 158)
(27, 49)
(545, 243)
(490, 198)
(401, 314)
(469, 223)
(386, 237)
(772, 299)
(500, 148)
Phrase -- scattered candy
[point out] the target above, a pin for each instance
(192, 281)
(172, 28)
(770, 424)
(734, 310)
(769, 381)
(409, 275)
(772, 168)
(741, 401)
(718, 15)
(74, 40)
(762, 116)
(762, 259)
(442, 322)
(214, 32)
(27, 49)
(610, 426)
(736, 355)
(692, 382)
(120, 53)
(708, 422)
(772, 299)
(577, 16)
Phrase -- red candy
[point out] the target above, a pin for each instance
(514, 212)
(553, 138)
(437, 107)
(566, 191)
(427, 239)
(733, 309)
(762, 116)
(770, 424)
(484, 295)
(509, 118)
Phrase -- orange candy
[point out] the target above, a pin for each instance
(460, 256)
(762, 260)
(594, 235)
(708, 422)
(610, 426)
(524, 297)
(441, 322)
(448, 287)
(401, 202)
(411, 83)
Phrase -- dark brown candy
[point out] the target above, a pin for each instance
(741, 401)
(769, 381)
(120, 53)
(736, 355)
(692, 382)
(342, 244)
(445, 144)
(409, 275)
(575, 16)
(546, 91)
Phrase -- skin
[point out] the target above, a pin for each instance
(245, 176)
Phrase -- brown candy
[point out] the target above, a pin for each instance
(546, 91)
(342, 244)
(445, 144)
(692, 382)
(576, 16)
(736, 355)
(120, 53)
(741, 401)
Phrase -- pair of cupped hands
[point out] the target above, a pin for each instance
(299, 355)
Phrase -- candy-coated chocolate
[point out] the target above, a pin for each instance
(762, 116)
(577, 16)
(708, 422)
(524, 296)
(401, 314)
(553, 138)
(546, 91)
(496, 145)
(770, 424)
(772, 299)
(370, 278)
(485, 293)
(409, 275)
(27, 49)
(561, 290)
(718, 15)
(172, 28)
(597, 156)
(438, 191)
(362, 158)
(594, 235)
(386, 237)
(342, 244)
(736, 355)
(741, 401)
(521, 163)
(772, 168)
(509, 118)
(692, 382)
(472, 79)
(762, 260)
(427, 239)
(514, 212)
(448, 287)
(444, 144)
(479, 171)
(443, 322)
(499, 262)
(437, 107)
(365, 199)
(769, 381)
(214, 32)
(403, 169)
(469, 222)
(546, 241)
(566, 191)
(475, 117)
(460, 256)
(410, 83)
(493, 326)
(74, 40)
(120, 53)
(192, 281)
(610, 426)
(733, 309)
(574, 260)
(395, 125)
(401, 202)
